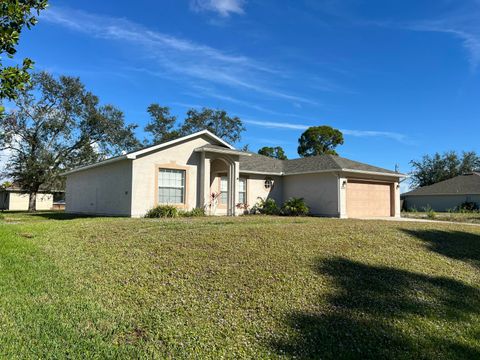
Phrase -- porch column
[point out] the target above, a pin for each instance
(230, 190)
(236, 186)
(204, 174)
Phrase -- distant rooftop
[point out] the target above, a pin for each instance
(466, 184)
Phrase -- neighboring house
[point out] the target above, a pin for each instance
(445, 195)
(202, 170)
(13, 198)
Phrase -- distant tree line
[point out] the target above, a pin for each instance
(438, 167)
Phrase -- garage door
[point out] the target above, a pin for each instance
(368, 199)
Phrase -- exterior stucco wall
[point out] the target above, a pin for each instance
(439, 202)
(256, 188)
(320, 192)
(104, 190)
(19, 201)
(145, 171)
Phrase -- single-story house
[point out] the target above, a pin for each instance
(15, 199)
(203, 171)
(445, 195)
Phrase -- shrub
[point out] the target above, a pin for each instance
(468, 206)
(430, 213)
(196, 212)
(266, 206)
(295, 207)
(162, 211)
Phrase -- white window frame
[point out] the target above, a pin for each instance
(220, 199)
(244, 192)
(182, 186)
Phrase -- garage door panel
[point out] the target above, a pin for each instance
(366, 199)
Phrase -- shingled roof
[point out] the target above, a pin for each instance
(255, 163)
(460, 185)
(263, 164)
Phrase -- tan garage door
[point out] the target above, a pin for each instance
(368, 199)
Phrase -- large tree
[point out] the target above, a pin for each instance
(14, 16)
(164, 127)
(439, 167)
(162, 124)
(319, 140)
(216, 121)
(59, 125)
(273, 152)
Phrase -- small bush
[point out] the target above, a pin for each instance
(196, 212)
(295, 207)
(468, 206)
(266, 207)
(162, 211)
(430, 213)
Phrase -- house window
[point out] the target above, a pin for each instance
(171, 186)
(224, 190)
(268, 184)
(242, 191)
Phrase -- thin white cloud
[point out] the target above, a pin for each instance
(460, 20)
(372, 133)
(177, 56)
(470, 37)
(206, 92)
(355, 133)
(188, 105)
(461, 23)
(325, 85)
(276, 125)
(222, 7)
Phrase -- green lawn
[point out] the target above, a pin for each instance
(473, 217)
(248, 287)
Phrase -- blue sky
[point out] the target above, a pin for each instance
(399, 78)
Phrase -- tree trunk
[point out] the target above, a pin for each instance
(32, 199)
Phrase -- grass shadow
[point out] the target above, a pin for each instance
(380, 312)
(457, 245)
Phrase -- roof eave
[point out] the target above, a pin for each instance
(221, 151)
(101, 163)
(188, 137)
(399, 175)
(261, 172)
(346, 170)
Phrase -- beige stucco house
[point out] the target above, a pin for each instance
(17, 200)
(202, 170)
